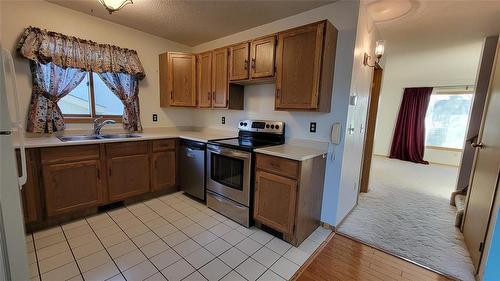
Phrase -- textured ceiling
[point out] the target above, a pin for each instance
(194, 22)
(408, 25)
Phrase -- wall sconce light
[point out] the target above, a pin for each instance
(114, 5)
(379, 52)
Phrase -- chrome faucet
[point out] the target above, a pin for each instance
(98, 125)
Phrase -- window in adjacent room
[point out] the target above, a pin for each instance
(447, 118)
(89, 100)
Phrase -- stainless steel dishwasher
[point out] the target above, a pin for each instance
(192, 168)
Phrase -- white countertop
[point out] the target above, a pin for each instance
(201, 135)
(296, 150)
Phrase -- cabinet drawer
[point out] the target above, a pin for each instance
(126, 148)
(277, 165)
(69, 153)
(163, 145)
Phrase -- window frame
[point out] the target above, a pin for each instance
(445, 148)
(85, 118)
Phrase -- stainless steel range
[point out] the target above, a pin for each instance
(230, 167)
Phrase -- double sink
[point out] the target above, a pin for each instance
(97, 137)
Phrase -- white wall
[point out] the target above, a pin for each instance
(426, 67)
(17, 15)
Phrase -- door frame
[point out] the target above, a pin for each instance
(371, 120)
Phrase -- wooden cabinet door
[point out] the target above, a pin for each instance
(262, 57)
(30, 195)
(128, 176)
(298, 67)
(164, 170)
(182, 79)
(72, 186)
(219, 78)
(275, 199)
(238, 62)
(204, 62)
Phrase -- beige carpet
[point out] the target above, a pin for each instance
(407, 212)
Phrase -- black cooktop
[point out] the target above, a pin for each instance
(243, 143)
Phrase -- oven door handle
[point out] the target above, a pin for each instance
(228, 152)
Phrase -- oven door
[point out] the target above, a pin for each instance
(228, 173)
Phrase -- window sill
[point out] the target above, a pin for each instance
(117, 119)
(444, 148)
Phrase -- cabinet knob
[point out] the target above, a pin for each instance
(246, 64)
(253, 63)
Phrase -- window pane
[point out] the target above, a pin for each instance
(446, 120)
(106, 102)
(77, 101)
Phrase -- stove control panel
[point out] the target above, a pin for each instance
(264, 126)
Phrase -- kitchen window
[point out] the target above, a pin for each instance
(89, 100)
(446, 119)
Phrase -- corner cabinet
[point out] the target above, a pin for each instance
(304, 67)
(178, 79)
(288, 195)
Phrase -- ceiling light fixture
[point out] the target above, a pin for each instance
(379, 52)
(114, 5)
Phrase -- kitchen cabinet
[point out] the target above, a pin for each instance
(128, 169)
(238, 61)
(288, 195)
(262, 57)
(71, 178)
(305, 59)
(30, 195)
(219, 78)
(178, 79)
(204, 75)
(164, 165)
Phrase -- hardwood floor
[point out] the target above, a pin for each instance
(341, 258)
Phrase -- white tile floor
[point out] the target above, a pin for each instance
(168, 238)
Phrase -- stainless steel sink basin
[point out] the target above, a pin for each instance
(97, 137)
(119, 136)
(77, 138)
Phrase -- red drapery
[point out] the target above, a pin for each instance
(408, 143)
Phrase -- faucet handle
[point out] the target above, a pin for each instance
(96, 120)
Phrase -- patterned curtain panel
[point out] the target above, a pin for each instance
(66, 51)
(50, 84)
(126, 88)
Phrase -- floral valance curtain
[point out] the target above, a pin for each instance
(67, 51)
(58, 65)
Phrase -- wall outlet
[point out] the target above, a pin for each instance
(312, 127)
(223, 120)
(155, 117)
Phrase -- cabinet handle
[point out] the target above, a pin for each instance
(109, 172)
(278, 93)
(99, 174)
(246, 64)
(213, 95)
(171, 95)
(253, 63)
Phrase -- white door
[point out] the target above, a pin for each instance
(485, 173)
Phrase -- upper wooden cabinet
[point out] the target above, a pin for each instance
(262, 55)
(219, 78)
(204, 73)
(239, 62)
(305, 59)
(179, 87)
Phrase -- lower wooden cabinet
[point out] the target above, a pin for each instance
(288, 195)
(30, 193)
(164, 171)
(72, 186)
(275, 198)
(128, 176)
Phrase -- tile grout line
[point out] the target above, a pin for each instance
(36, 257)
(105, 249)
(71, 250)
